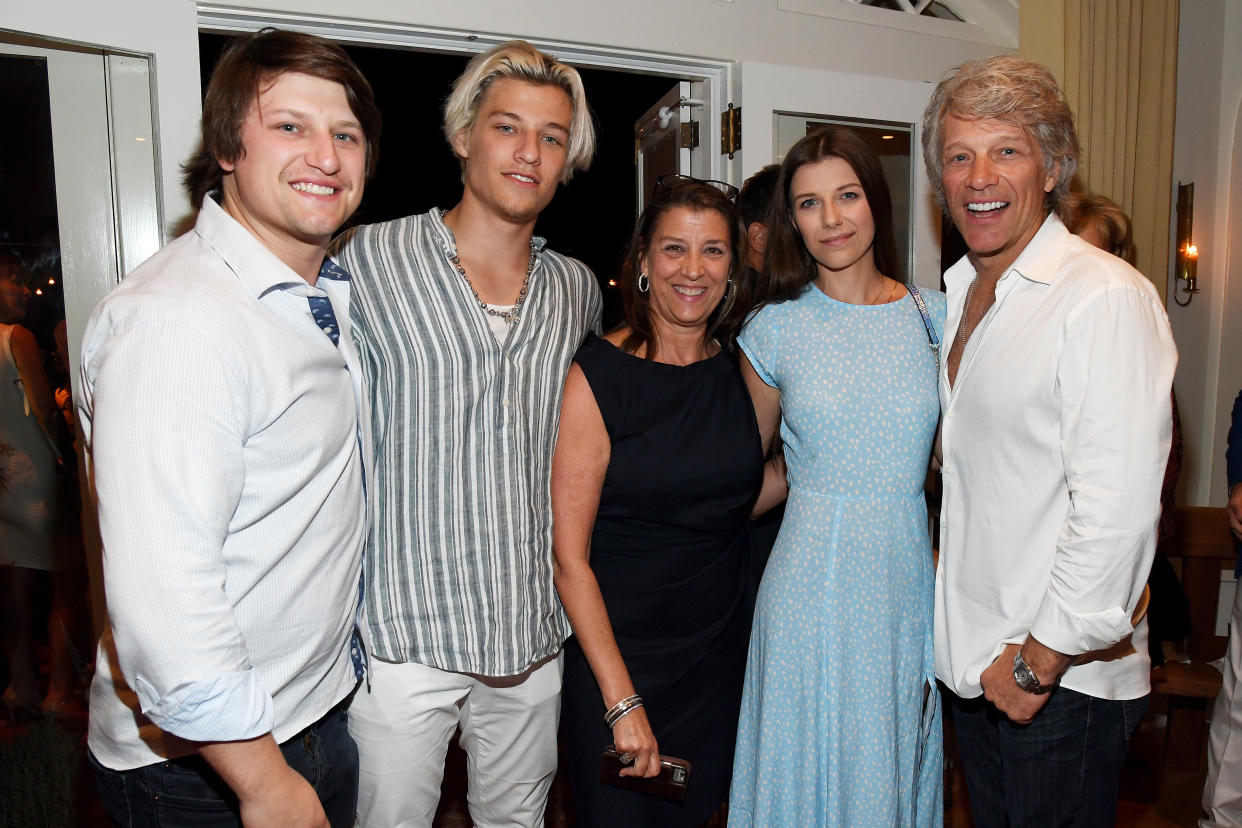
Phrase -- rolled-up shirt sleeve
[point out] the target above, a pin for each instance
(167, 423)
(1114, 376)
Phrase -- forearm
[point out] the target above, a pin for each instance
(248, 766)
(1047, 664)
(268, 790)
(584, 604)
(775, 486)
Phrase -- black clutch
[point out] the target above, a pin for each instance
(670, 783)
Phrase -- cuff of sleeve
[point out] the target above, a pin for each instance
(1072, 633)
(226, 708)
(757, 364)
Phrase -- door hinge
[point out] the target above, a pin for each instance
(690, 135)
(731, 131)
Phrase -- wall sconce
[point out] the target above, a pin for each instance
(1187, 254)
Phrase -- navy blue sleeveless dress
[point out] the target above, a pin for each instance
(671, 552)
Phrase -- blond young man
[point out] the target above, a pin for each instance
(467, 326)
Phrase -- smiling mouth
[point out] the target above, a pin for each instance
(313, 189)
(690, 291)
(525, 179)
(984, 208)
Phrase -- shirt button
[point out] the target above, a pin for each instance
(506, 402)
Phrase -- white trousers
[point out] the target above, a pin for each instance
(1222, 794)
(403, 727)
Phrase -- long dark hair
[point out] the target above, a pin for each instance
(726, 319)
(788, 266)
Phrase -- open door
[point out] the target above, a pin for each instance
(88, 211)
(781, 101)
(666, 139)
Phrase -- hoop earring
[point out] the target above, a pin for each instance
(643, 283)
(730, 289)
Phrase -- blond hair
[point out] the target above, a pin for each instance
(519, 60)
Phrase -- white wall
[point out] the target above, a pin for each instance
(1209, 339)
(164, 29)
(720, 29)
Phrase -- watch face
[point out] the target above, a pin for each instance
(1025, 677)
(1022, 677)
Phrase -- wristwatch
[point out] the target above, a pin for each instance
(1026, 679)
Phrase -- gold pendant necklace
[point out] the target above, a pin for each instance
(891, 293)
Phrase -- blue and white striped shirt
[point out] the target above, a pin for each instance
(459, 559)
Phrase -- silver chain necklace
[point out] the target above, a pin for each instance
(961, 328)
(511, 315)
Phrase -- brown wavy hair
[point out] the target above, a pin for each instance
(789, 267)
(247, 63)
(725, 321)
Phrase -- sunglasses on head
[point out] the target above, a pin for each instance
(666, 182)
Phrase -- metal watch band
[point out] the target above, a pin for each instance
(1026, 679)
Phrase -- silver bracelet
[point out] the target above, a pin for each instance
(621, 708)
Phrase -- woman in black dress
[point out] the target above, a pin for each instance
(657, 468)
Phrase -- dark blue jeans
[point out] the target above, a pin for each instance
(187, 793)
(1060, 770)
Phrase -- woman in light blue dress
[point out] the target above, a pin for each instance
(840, 722)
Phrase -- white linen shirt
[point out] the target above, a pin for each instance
(223, 427)
(1054, 438)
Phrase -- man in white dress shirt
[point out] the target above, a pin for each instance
(1056, 429)
(221, 408)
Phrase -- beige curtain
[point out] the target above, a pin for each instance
(1117, 62)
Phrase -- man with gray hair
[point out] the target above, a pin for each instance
(466, 326)
(1055, 432)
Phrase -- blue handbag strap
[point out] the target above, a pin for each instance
(933, 338)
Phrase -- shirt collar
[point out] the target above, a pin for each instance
(1039, 261)
(256, 267)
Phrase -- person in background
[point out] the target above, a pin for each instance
(754, 202)
(1100, 222)
(840, 722)
(1222, 792)
(1054, 440)
(467, 323)
(30, 508)
(221, 404)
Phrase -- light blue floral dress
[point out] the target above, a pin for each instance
(840, 721)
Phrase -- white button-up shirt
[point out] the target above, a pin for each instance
(1055, 438)
(223, 425)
